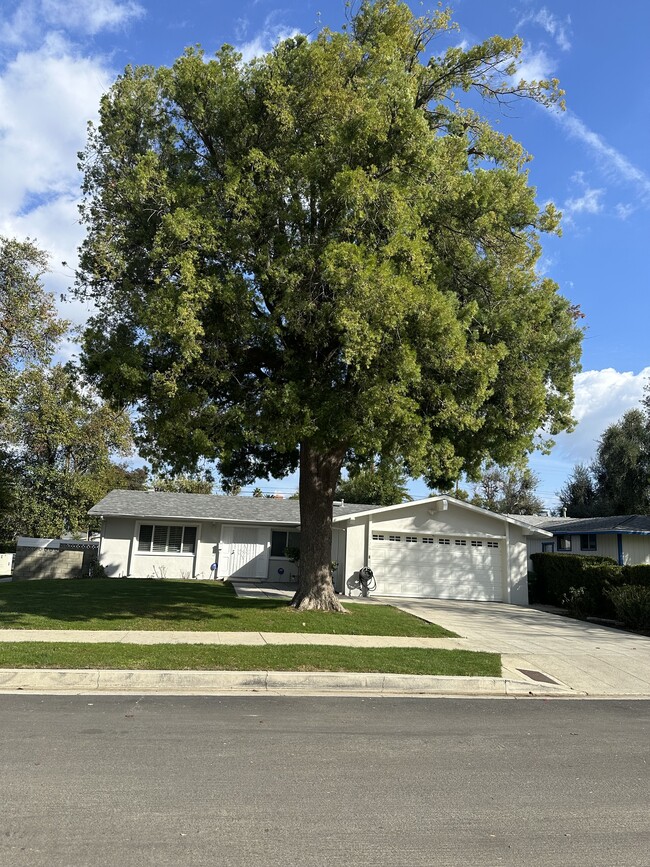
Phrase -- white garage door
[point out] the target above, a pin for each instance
(445, 567)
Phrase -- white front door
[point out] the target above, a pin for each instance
(243, 552)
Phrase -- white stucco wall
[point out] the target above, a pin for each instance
(425, 518)
(355, 555)
(636, 549)
(517, 567)
(115, 544)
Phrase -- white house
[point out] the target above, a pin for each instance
(437, 547)
(624, 538)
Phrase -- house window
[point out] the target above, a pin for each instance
(548, 547)
(166, 539)
(588, 542)
(563, 543)
(281, 540)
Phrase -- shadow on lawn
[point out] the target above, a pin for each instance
(86, 600)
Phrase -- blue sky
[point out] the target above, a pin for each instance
(593, 161)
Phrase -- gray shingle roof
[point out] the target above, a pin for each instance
(626, 524)
(205, 507)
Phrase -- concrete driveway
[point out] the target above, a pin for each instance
(585, 657)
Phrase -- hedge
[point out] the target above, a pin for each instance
(637, 575)
(632, 605)
(557, 574)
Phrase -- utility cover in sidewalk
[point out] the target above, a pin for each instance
(537, 675)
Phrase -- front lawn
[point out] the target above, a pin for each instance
(181, 657)
(182, 605)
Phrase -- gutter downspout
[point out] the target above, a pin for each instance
(619, 542)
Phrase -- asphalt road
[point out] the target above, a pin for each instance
(298, 782)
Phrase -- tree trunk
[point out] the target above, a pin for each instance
(319, 474)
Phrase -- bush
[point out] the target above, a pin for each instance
(557, 574)
(637, 575)
(632, 605)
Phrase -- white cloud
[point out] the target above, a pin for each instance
(46, 98)
(613, 162)
(602, 396)
(32, 19)
(535, 66)
(587, 203)
(623, 210)
(554, 26)
(90, 16)
(266, 39)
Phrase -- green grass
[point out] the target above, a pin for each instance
(181, 657)
(182, 605)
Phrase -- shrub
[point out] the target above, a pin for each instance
(632, 605)
(555, 574)
(637, 575)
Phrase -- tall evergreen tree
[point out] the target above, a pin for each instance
(322, 255)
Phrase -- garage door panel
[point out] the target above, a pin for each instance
(441, 567)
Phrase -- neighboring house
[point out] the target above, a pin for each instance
(438, 547)
(625, 538)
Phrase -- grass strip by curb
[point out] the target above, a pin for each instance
(187, 657)
(182, 605)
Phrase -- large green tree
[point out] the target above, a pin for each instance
(29, 325)
(323, 255)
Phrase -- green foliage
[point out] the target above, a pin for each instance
(327, 250)
(292, 553)
(559, 575)
(59, 441)
(185, 484)
(579, 496)
(324, 252)
(29, 326)
(622, 466)
(638, 575)
(508, 490)
(632, 605)
(379, 483)
(618, 480)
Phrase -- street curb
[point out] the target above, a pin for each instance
(219, 682)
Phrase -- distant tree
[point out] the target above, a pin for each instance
(324, 253)
(29, 325)
(257, 492)
(579, 496)
(184, 484)
(121, 476)
(508, 490)
(378, 483)
(60, 441)
(621, 468)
